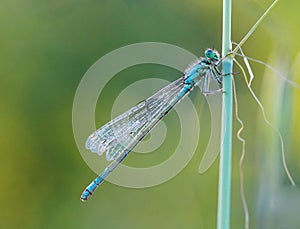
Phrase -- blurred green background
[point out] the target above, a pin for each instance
(47, 46)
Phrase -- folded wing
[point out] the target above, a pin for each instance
(124, 132)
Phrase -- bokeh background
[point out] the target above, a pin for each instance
(47, 46)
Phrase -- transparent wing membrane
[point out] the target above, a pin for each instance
(126, 130)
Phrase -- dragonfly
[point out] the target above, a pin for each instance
(119, 136)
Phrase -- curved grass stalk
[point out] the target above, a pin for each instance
(246, 63)
(269, 124)
(282, 76)
(243, 141)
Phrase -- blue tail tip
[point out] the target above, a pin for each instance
(85, 195)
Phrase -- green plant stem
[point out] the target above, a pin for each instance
(226, 137)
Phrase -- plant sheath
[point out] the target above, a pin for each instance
(226, 135)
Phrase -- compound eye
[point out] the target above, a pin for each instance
(209, 53)
(212, 55)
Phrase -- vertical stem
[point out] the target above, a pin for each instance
(226, 137)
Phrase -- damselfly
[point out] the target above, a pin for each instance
(119, 136)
